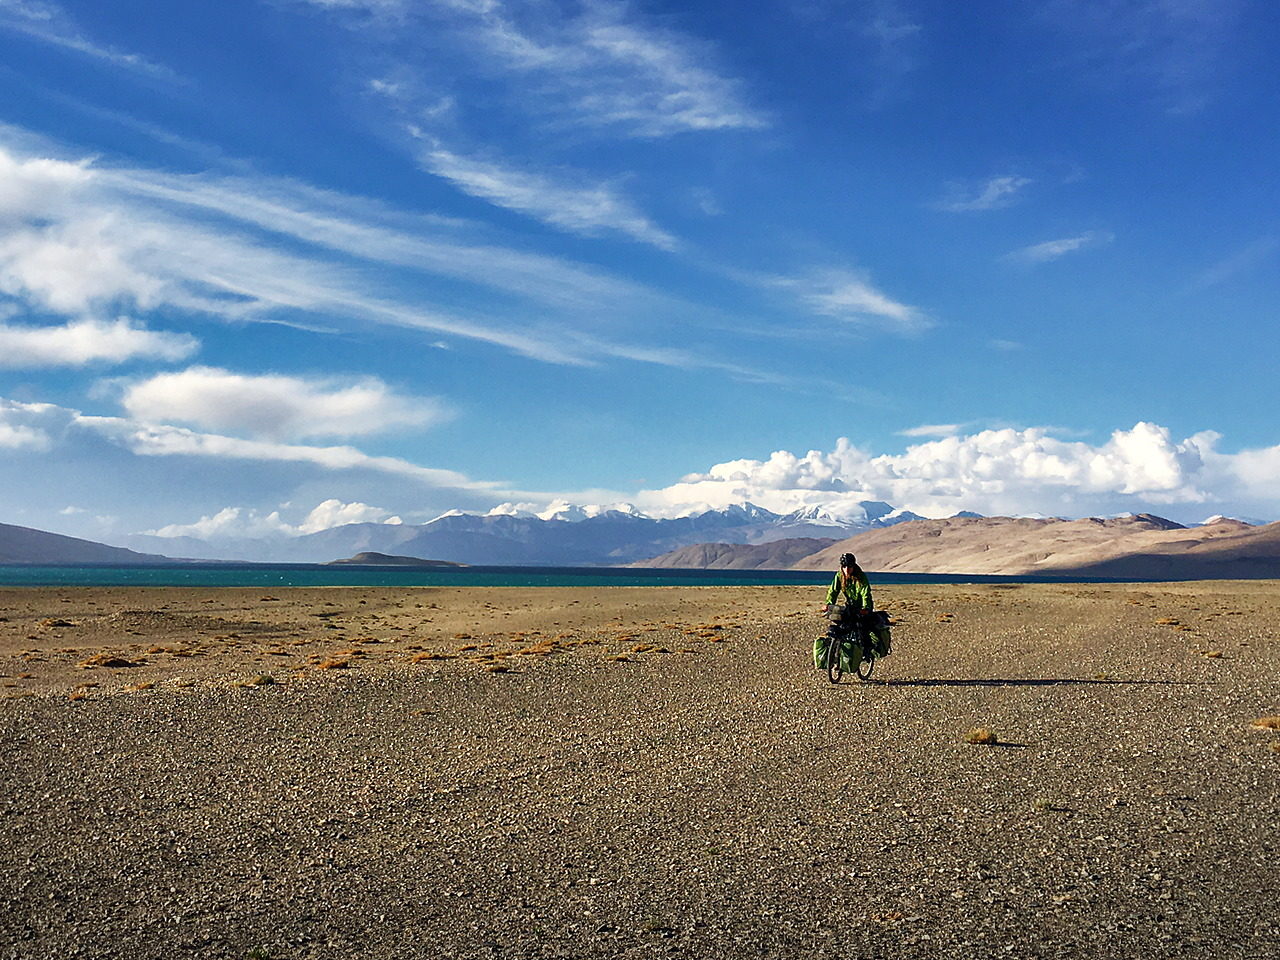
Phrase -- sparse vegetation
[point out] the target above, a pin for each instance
(980, 735)
(1266, 723)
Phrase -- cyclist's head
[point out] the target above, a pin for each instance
(848, 561)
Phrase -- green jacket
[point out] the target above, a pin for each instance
(856, 594)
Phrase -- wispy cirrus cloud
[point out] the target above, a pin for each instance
(1054, 249)
(579, 207)
(598, 65)
(1174, 49)
(49, 23)
(92, 241)
(852, 297)
(990, 194)
(1241, 261)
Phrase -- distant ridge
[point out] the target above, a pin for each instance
(371, 559)
(1142, 546)
(777, 555)
(28, 546)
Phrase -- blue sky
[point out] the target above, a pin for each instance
(267, 265)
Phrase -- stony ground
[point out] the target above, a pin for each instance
(568, 789)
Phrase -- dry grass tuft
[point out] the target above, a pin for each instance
(1266, 723)
(945, 618)
(144, 685)
(332, 663)
(1213, 654)
(1275, 748)
(1167, 621)
(497, 668)
(78, 695)
(980, 735)
(420, 657)
(620, 658)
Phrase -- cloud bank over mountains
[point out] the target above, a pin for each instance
(1027, 472)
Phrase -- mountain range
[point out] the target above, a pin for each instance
(569, 537)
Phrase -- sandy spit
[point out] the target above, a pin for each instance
(637, 772)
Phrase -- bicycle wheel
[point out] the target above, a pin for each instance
(833, 657)
(868, 662)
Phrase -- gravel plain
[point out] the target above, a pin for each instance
(645, 772)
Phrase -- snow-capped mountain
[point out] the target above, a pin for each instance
(563, 534)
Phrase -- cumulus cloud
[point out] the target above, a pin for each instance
(1018, 472)
(85, 342)
(235, 522)
(276, 407)
(1053, 249)
(991, 194)
(24, 426)
(586, 208)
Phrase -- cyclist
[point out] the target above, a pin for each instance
(850, 587)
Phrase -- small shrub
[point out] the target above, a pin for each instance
(106, 660)
(980, 735)
(332, 663)
(1266, 723)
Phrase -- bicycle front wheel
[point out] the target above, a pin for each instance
(833, 659)
(866, 665)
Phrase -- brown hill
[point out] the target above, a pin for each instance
(24, 545)
(1141, 546)
(777, 555)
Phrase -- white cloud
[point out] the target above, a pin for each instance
(165, 440)
(1242, 261)
(234, 522)
(852, 297)
(47, 22)
(276, 407)
(86, 240)
(1172, 49)
(23, 425)
(589, 209)
(1053, 249)
(84, 342)
(931, 430)
(998, 472)
(599, 66)
(991, 194)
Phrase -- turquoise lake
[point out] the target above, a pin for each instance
(321, 575)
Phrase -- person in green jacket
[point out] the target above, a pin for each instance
(851, 588)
